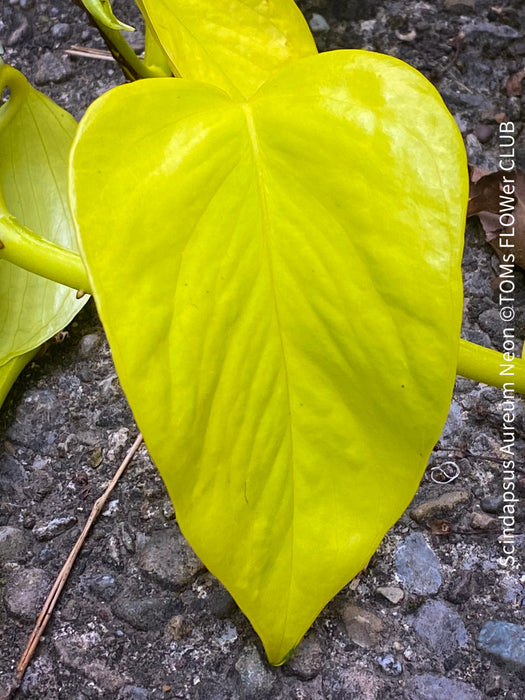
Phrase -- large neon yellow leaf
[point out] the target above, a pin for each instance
(35, 138)
(234, 44)
(280, 284)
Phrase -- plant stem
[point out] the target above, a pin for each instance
(22, 247)
(484, 365)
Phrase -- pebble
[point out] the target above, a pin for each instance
(483, 521)
(318, 24)
(492, 504)
(144, 613)
(88, 343)
(484, 132)
(307, 659)
(25, 593)
(177, 628)
(254, 675)
(220, 603)
(440, 505)
(390, 665)
(133, 692)
(499, 30)
(417, 567)
(362, 627)
(13, 545)
(61, 30)
(428, 686)
(460, 6)
(52, 68)
(392, 593)
(505, 641)
(54, 527)
(440, 627)
(102, 585)
(21, 33)
(169, 558)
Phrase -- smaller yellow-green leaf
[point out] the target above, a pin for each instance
(233, 44)
(102, 12)
(10, 371)
(35, 138)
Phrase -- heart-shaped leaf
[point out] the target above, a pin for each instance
(280, 284)
(234, 44)
(35, 138)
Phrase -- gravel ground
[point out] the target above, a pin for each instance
(434, 617)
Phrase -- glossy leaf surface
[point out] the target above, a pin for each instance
(280, 284)
(35, 137)
(234, 44)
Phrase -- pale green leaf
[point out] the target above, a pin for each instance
(233, 44)
(102, 12)
(280, 284)
(35, 137)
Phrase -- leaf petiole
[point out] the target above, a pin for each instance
(23, 247)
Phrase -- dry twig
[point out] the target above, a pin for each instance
(53, 596)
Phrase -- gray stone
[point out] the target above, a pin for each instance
(52, 68)
(362, 627)
(144, 613)
(61, 30)
(133, 692)
(255, 677)
(390, 665)
(444, 503)
(102, 586)
(13, 544)
(505, 641)
(306, 661)
(54, 527)
(169, 558)
(318, 24)
(417, 567)
(431, 687)
(25, 593)
(440, 627)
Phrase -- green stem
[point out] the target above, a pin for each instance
(484, 365)
(26, 249)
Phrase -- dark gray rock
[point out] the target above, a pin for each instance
(169, 558)
(52, 68)
(417, 567)
(13, 544)
(306, 661)
(440, 627)
(26, 591)
(144, 613)
(505, 641)
(432, 687)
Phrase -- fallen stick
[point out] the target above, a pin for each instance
(61, 579)
(88, 52)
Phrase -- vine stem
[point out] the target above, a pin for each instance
(484, 365)
(62, 577)
(21, 246)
